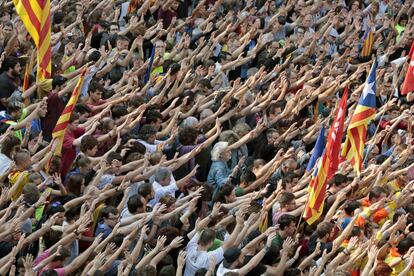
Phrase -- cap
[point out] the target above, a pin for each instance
(230, 256)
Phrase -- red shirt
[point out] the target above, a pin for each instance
(69, 150)
(401, 125)
(55, 106)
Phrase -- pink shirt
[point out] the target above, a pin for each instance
(44, 256)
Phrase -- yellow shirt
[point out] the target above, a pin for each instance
(394, 256)
(13, 179)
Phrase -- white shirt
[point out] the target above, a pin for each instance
(161, 191)
(150, 147)
(5, 163)
(222, 270)
(199, 259)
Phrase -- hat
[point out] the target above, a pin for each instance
(230, 256)
(44, 87)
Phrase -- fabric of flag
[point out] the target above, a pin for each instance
(328, 165)
(63, 122)
(408, 84)
(27, 71)
(317, 150)
(353, 148)
(35, 15)
(148, 73)
(368, 43)
(133, 5)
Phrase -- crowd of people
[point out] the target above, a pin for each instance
(187, 150)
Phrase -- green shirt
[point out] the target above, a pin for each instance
(277, 241)
(400, 29)
(240, 191)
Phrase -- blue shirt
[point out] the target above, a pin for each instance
(218, 174)
(103, 228)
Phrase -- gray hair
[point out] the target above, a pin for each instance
(189, 122)
(218, 149)
(241, 128)
(162, 173)
(229, 136)
(205, 113)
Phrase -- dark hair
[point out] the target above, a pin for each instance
(152, 116)
(224, 191)
(403, 16)
(286, 198)
(95, 86)
(118, 239)
(9, 62)
(108, 210)
(88, 142)
(74, 117)
(323, 229)
(114, 156)
(118, 111)
(94, 56)
(14, 107)
(82, 108)
(247, 177)
(351, 206)
(207, 237)
(49, 272)
(167, 270)
(404, 245)
(146, 131)
(285, 221)
(147, 270)
(187, 136)
(51, 237)
(9, 142)
(74, 183)
(201, 272)
(145, 189)
(376, 192)
(72, 213)
(135, 202)
(169, 232)
(58, 81)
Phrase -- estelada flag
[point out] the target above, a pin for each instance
(408, 85)
(327, 165)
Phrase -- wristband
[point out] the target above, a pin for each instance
(266, 249)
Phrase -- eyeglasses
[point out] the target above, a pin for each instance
(113, 218)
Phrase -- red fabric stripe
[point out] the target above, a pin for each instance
(46, 58)
(355, 135)
(42, 3)
(46, 27)
(31, 14)
(362, 115)
(60, 127)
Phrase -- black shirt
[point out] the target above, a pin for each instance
(7, 87)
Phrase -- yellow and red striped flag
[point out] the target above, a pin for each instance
(328, 165)
(35, 15)
(63, 122)
(367, 44)
(353, 148)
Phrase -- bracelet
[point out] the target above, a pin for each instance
(266, 249)
(346, 252)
